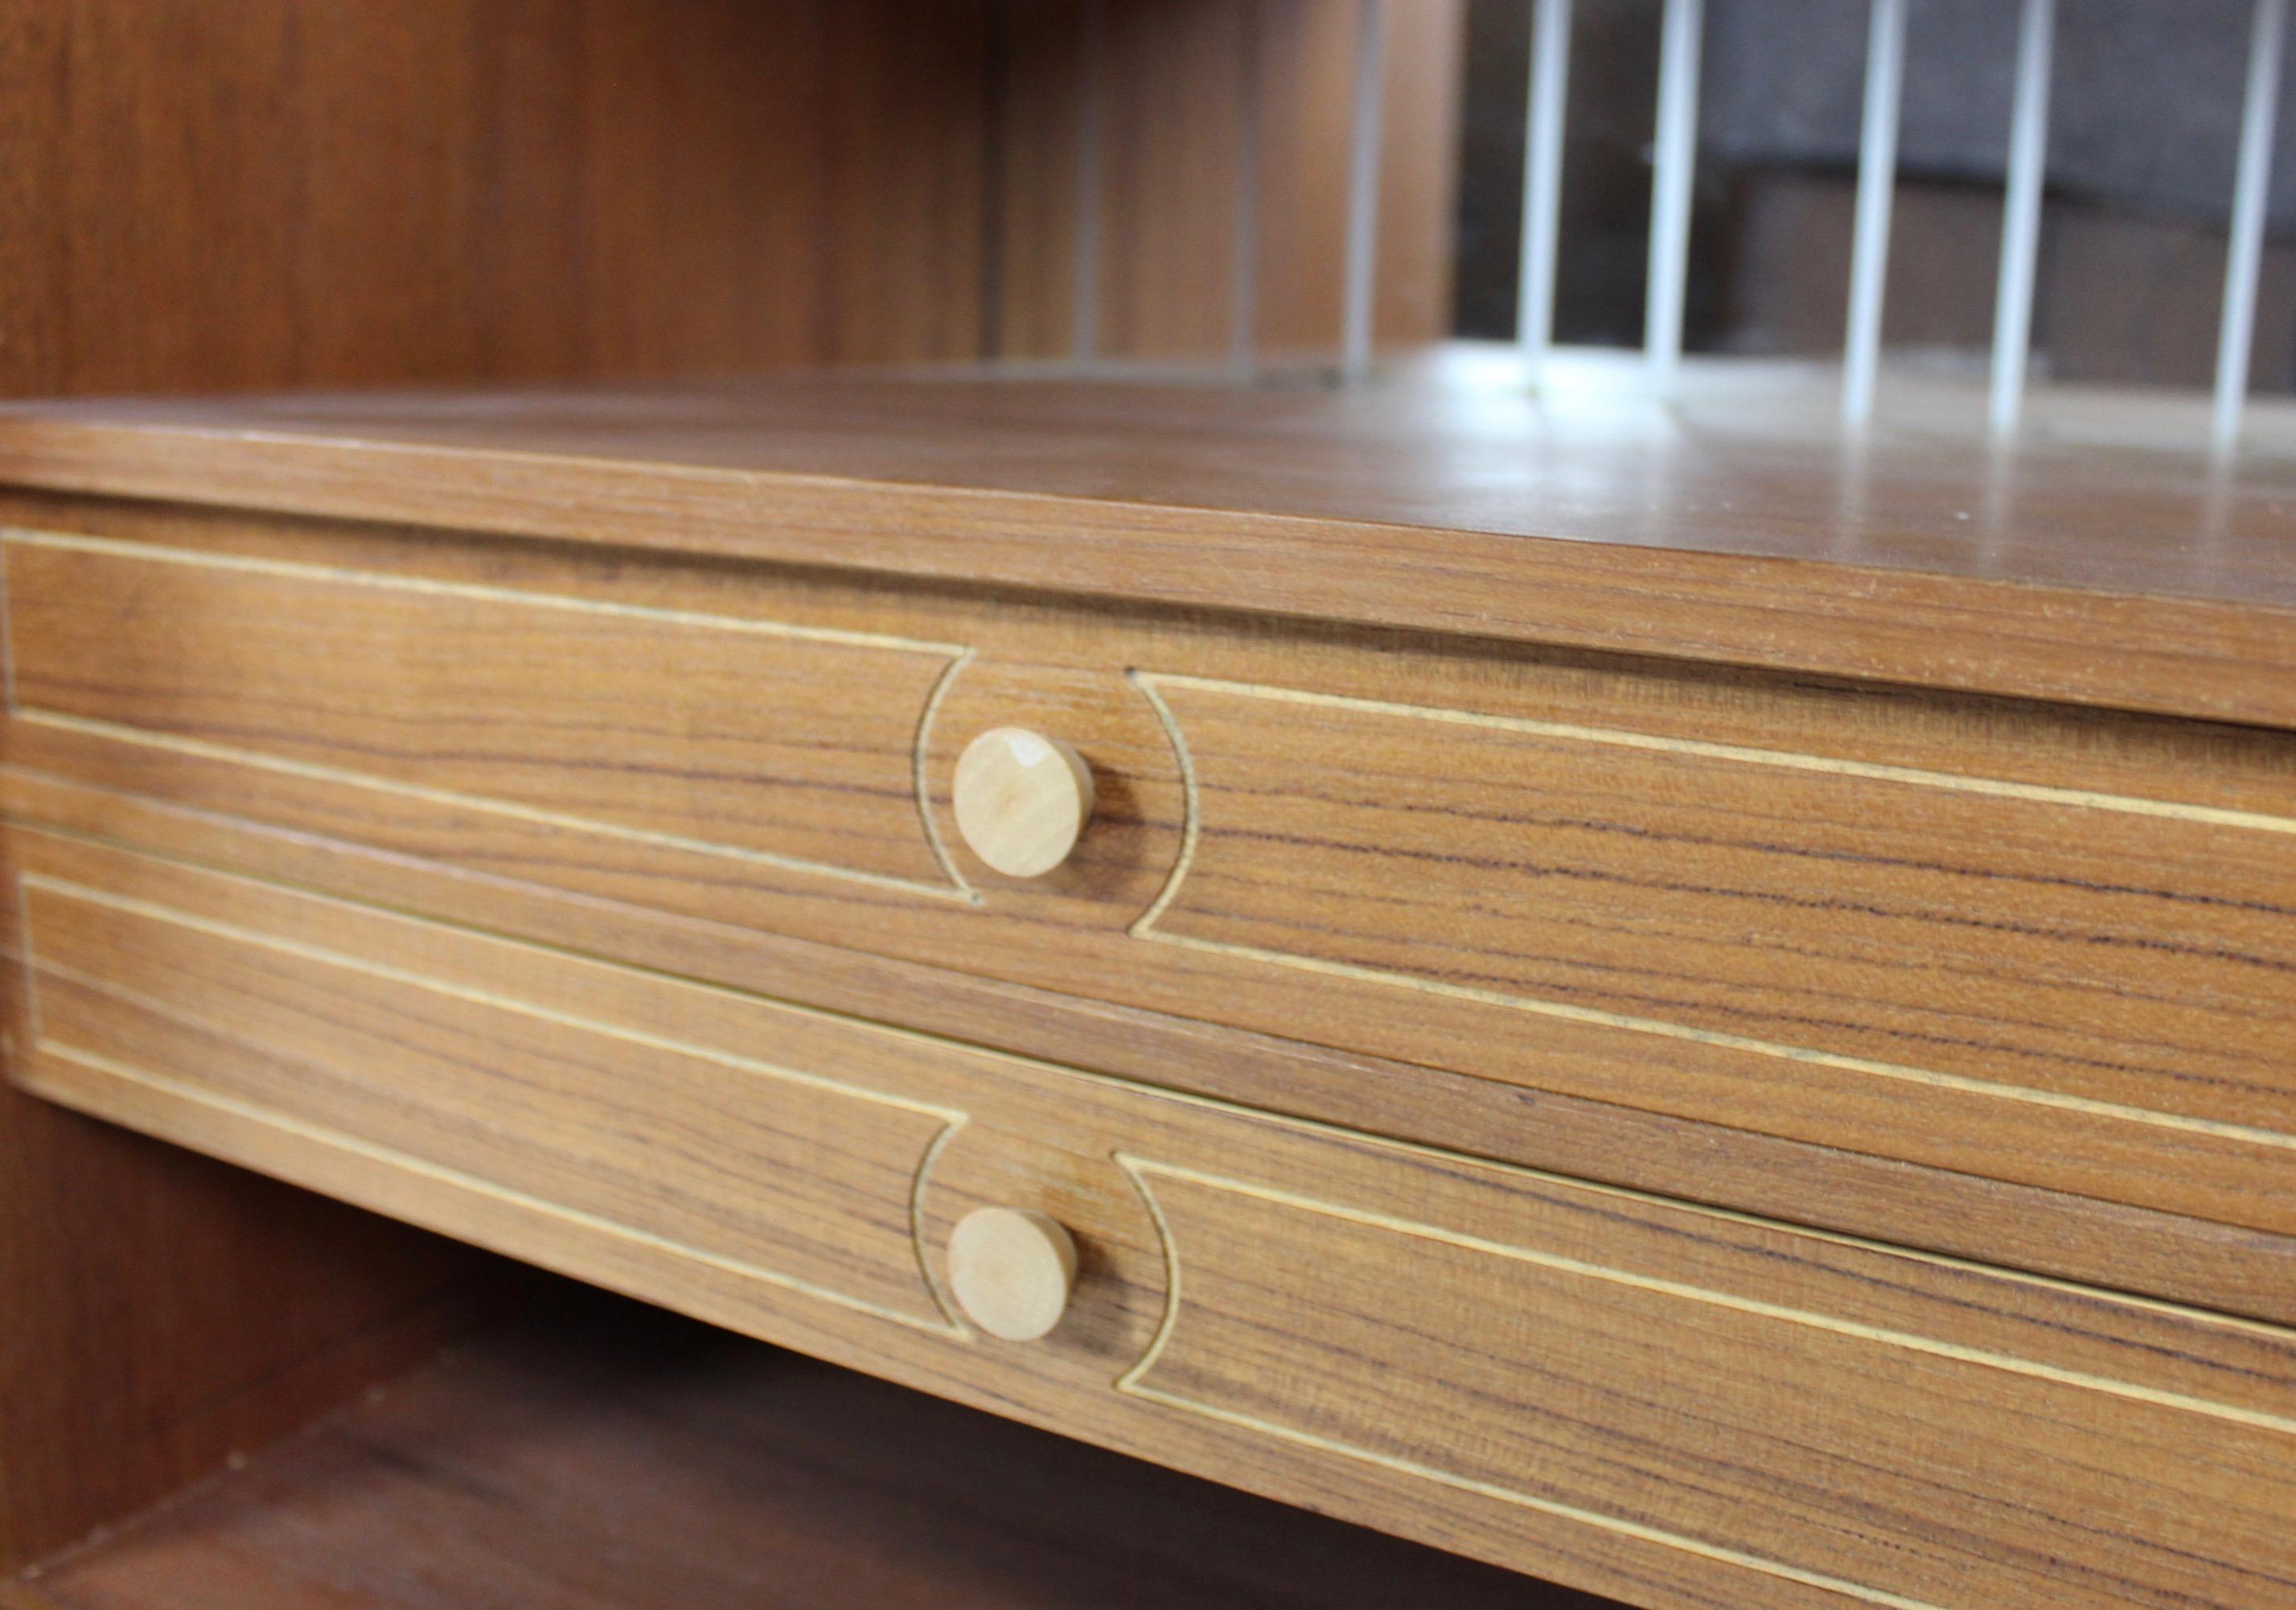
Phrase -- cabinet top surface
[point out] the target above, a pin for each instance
(2097, 559)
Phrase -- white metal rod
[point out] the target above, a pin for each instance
(1542, 175)
(1363, 191)
(1084, 340)
(2251, 191)
(1877, 181)
(2021, 217)
(1676, 157)
(1243, 284)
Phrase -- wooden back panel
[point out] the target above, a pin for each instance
(242, 194)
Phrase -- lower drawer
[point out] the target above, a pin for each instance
(1667, 1404)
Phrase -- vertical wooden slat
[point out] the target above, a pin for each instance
(1362, 258)
(1091, 90)
(1173, 103)
(1419, 153)
(1244, 278)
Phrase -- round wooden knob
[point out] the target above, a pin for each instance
(1013, 1269)
(1022, 799)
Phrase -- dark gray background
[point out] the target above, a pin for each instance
(2144, 128)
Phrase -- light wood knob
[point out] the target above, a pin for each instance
(1013, 1269)
(1022, 799)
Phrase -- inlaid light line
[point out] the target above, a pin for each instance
(2211, 1319)
(1134, 1171)
(1189, 815)
(1145, 927)
(1909, 1341)
(1786, 760)
(917, 779)
(290, 570)
(313, 771)
(941, 1299)
(155, 912)
(335, 1140)
(1133, 1383)
(2087, 1106)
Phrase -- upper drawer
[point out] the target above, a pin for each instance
(616, 734)
(2039, 945)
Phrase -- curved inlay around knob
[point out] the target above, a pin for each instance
(1022, 799)
(1013, 1269)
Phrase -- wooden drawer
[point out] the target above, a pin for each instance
(1668, 1402)
(2015, 941)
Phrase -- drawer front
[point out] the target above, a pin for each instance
(735, 1160)
(1668, 1402)
(571, 732)
(1749, 934)
(2039, 945)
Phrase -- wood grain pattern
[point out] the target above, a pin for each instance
(539, 716)
(599, 1456)
(1740, 529)
(1180, 82)
(1682, 1397)
(1933, 943)
(2004, 939)
(251, 193)
(2098, 1242)
(235, 194)
(246, 193)
(1623, 1392)
(774, 1172)
(164, 1311)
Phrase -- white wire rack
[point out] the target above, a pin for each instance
(1674, 159)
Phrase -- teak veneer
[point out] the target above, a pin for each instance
(1659, 1000)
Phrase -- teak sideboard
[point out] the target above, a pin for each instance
(1673, 1004)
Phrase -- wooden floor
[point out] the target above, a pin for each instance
(602, 1456)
